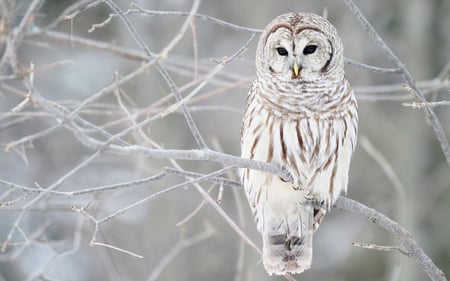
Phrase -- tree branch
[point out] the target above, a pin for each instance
(429, 113)
(413, 248)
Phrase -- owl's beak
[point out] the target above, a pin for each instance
(296, 70)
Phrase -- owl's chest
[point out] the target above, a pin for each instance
(303, 145)
(290, 139)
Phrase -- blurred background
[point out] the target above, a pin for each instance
(398, 167)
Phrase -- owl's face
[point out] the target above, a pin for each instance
(296, 48)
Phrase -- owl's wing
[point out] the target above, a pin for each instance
(283, 215)
(246, 120)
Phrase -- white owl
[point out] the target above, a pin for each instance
(302, 115)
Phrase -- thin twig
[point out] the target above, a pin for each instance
(431, 116)
(160, 193)
(160, 68)
(72, 11)
(241, 220)
(180, 246)
(373, 68)
(117, 249)
(89, 190)
(199, 16)
(424, 104)
(81, 7)
(413, 248)
(16, 35)
(45, 192)
(194, 212)
(380, 248)
(392, 176)
(60, 254)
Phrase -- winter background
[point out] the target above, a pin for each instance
(74, 208)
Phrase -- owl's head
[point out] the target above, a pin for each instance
(300, 48)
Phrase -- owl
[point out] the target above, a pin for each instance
(301, 114)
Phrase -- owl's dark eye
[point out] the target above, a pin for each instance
(282, 51)
(309, 49)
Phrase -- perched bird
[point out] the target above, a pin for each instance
(301, 114)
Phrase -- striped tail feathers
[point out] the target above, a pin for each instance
(287, 243)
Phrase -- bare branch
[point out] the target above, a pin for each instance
(391, 175)
(160, 193)
(180, 246)
(413, 248)
(424, 104)
(439, 131)
(199, 16)
(47, 191)
(373, 68)
(116, 249)
(194, 212)
(17, 34)
(160, 68)
(72, 11)
(380, 248)
(209, 155)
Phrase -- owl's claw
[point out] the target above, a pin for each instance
(310, 196)
(287, 175)
(326, 204)
(283, 179)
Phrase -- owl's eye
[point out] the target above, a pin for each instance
(282, 51)
(309, 49)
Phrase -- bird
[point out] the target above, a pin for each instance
(301, 114)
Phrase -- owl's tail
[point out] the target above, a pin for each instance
(287, 241)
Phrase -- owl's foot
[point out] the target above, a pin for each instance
(290, 177)
(287, 175)
(311, 196)
(319, 202)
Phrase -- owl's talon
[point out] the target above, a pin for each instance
(320, 204)
(287, 175)
(283, 179)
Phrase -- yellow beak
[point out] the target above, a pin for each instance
(296, 69)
